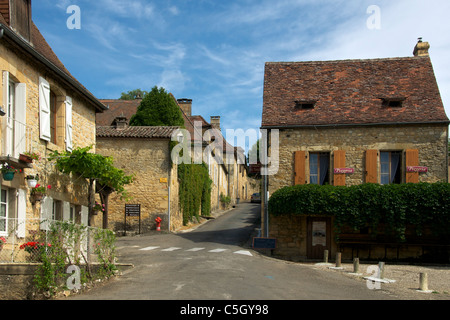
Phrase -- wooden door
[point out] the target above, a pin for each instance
(319, 237)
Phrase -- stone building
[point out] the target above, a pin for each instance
(145, 153)
(350, 122)
(44, 108)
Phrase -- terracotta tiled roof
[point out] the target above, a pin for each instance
(351, 92)
(117, 107)
(136, 132)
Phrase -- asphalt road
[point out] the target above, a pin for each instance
(214, 262)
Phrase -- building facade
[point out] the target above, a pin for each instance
(351, 122)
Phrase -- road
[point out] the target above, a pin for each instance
(214, 262)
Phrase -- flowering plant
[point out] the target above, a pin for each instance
(33, 246)
(33, 155)
(2, 241)
(7, 168)
(39, 189)
(98, 207)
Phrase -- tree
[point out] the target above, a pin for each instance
(133, 94)
(158, 108)
(94, 168)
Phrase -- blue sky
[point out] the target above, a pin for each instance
(214, 51)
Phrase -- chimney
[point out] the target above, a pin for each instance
(17, 14)
(215, 122)
(421, 48)
(120, 122)
(186, 106)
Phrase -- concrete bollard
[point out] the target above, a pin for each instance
(338, 259)
(381, 270)
(423, 285)
(356, 265)
(325, 256)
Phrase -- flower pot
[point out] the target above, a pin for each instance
(8, 175)
(37, 196)
(31, 183)
(25, 158)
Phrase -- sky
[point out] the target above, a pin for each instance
(214, 52)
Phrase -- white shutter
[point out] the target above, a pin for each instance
(66, 211)
(20, 126)
(7, 124)
(84, 215)
(46, 213)
(44, 109)
(68, 123)
(21, 213)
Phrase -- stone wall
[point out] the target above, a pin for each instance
(430, 140)
(149, 161)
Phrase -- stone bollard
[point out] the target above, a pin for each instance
(356, 265)
(381, 270)
(423, 287)
(325, 256)
(338, 260)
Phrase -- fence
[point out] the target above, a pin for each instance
(26, 240)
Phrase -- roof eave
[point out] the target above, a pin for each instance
(5, 31)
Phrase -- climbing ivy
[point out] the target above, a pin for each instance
(194, 191)
(368, 205)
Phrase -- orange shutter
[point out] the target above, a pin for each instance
(299, 167)
(372, 166)
(412, 159)
(339, 162)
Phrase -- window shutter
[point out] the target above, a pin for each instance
(299, 167)
(412, 159)
(21, 213)
(339, 162)
(372, 166)
(44, 109)
(68, 123)
(66, 211)
(20, 127)
(7, 124)
(84, 215)
(46, 213)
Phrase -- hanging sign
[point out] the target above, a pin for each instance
(344, 170)
(416, 169)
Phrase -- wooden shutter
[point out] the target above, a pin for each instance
(412, 159)
(299, 167)
(7, 123)
(372, 166)
(20, 126)
(21, 213)
(69, 124)
(84, 216)
(339, 162)
(44, 109)
(46, 213)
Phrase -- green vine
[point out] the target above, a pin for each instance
(194, 191)
(369, 205)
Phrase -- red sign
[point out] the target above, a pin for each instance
(344, 170)
(416, 169)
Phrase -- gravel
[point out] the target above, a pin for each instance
(402, 281)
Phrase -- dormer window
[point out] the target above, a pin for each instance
(305, 104)
(394, 102)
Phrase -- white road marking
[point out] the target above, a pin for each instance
(244, 252)
(149, 248)
(217, 250)
(195, 249)
(171, 249)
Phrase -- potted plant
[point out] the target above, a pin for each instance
(38, 192)
(8, 172)
(97, 207)
(32, 180)
(29, 156)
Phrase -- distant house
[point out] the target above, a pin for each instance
(44, 108)
(350, 122)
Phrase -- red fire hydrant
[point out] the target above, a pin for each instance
(158, 224)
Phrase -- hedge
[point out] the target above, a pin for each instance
(394, 205)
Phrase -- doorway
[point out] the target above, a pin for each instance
(319, 237)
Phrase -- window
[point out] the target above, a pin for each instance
(306, 104)
(390, 162)
(53, 117)
(3, 212)
(396, 102)
(319, 164)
